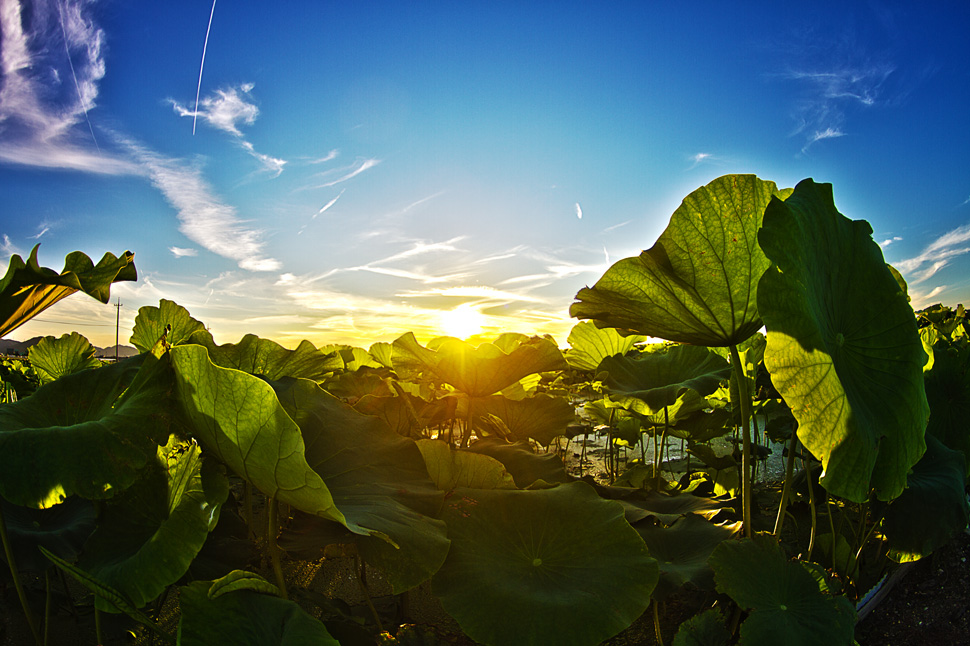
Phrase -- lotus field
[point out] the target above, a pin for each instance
(197, 478)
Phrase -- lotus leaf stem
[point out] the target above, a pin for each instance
(272, 528)
(97, 624)
(361, 580)
(656, 623)
(743, 401)
(786, 487)
(811, 504)
(47, 604)
(18, 584)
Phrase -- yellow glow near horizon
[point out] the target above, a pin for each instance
(462, 322)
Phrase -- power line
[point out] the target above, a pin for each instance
(72, 323)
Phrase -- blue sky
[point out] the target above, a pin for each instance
(356, 169)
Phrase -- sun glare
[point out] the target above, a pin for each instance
(462, 322)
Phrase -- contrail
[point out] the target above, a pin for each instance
(198, 88)
(60, 19)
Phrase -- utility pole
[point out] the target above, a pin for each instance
(117, 326)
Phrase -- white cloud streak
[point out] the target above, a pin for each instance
(203, 218)
(888, 241)
(182, 252)
(579, 211)
(39, 112)
(936, 255)
(227, 110)
(351, 172)
(326, 207)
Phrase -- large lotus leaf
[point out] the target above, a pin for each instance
(450, 469)
(664, 507)
(476, 371)
(245, 617)
(522, 462)
(699, 281)
(541, 418)
(268, 359)
(932, 508)
(705, 629)
(843, 349)
(77, 436)
(551, 566)
(352, 356)
(237, 418)
(682, 551)
(588, 345)
(948, 393)
(352, 386)
(169, 319)
(658, 379)
(378, 480)
(149, 535)
(62, 529)
(28, 289)
(53, 358)
(407, 414)
(785, 604)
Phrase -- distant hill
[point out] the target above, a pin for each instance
(19, 349)
(109, 353)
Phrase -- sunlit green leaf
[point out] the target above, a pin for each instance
(657, 379)
(843, 349)
(699, 281)
(522, 462)
(54, 358)
(238, 418)
(451, 469)
(169, 319)
(268, 359)
(27, 289)
(588, 345)
(541, 418)
(476, 371)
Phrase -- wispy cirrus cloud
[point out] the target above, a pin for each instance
(936, 255)
(183, 252)
(227, 110)
(203, 218)
(50, 67)
(701, 158)
(888, 241)
(348, 173)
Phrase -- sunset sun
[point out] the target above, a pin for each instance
(462, 322)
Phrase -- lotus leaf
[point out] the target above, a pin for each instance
(53, 358)
(843, 349)
(450, 469)
(407, 414)
(245, 617)
(541, 418)
(62, 529)
(785, 604)
(378, 480)
(476, 371)
(238, 418)
(268, 359)
(382, 353)
(555, 566)
(948, 393)
(682, 551)
(169, 319)
(27, 289)
(664, 507)
(588, 345)
(149, 535)
(699, 281)
(649, 382)
(526, 467)
(705, 629)
(81, 435)
(104, 592)
(932, 508)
